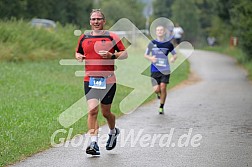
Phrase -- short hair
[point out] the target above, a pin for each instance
(160, 25)
(99, 11)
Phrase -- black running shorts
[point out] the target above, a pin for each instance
(158, 77)
(105, 95)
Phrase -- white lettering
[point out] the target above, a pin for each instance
(187, 139)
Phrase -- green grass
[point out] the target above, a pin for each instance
(19, 41)
(32, 97)
(237, 53)
(35, 89)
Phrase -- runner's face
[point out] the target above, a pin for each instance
(160, 31)
(97, 21)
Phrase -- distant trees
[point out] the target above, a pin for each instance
(73, 11)
(186, 14)
(130, 9)
(241, 19)
(67, 11)
(237, 19)
(199, 18)
(219, 18)
(162, 8)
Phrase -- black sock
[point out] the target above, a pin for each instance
(161, 105)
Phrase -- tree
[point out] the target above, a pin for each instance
(206, 13)
(68, 11)
(187, 17)
(13, 8)
(235, 18)
(162, 8)
(241, 18)
(129, 9)
(222, 9)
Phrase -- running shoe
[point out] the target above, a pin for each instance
(93, 149)
(111, 143)
(161, 110)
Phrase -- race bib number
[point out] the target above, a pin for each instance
(97, 82)
(161, 62)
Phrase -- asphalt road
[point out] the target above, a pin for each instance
(207, 122)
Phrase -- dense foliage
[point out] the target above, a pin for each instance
(71, 11)
(222, 19)
(199, 18)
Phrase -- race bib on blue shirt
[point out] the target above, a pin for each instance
(161, 62)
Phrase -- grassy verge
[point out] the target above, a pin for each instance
(19, 41)
(237, 54)
(32, 96)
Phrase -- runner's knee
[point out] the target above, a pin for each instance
(93, 112)
(156, 89)
(106, 110)
(163, 87)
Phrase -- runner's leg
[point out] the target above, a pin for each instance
(163, 92)
(92, 116)
(110, 117)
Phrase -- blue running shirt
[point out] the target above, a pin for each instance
(160, 49)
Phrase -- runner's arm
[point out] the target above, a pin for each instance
(174, 56)
(79, 56)
(147, 55)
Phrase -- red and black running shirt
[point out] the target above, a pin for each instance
(95, 65)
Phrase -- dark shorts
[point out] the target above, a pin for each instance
(178, 40)
(158, 77)
(105, 95)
